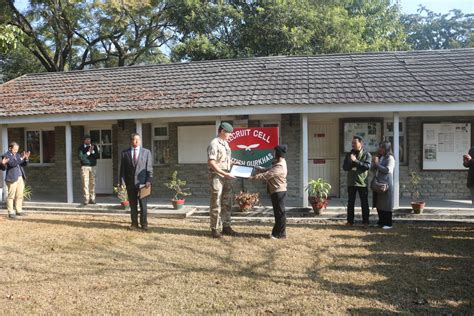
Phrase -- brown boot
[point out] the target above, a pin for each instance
(215, 234)
(228, 231)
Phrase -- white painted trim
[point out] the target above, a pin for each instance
(439, 109)
(69, 186)
(304, 157)
(4, 149)
(396, 153)
(138, 128)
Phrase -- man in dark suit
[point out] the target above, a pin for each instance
(136, 171)
(15, 177)
(3, 163)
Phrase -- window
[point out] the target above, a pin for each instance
(388, 135)
(41, 144)
(160, 145)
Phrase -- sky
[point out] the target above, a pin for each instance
(408, 6)
(438, 6)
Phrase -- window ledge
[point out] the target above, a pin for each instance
(33, 164)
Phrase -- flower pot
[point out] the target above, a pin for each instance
(125, 205)
(418, 207)
(245, 207)
(178, 204)
(317, 204)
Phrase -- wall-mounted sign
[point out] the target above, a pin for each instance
(253, 146)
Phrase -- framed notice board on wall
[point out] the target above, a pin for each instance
(370, 131)
(444, 144)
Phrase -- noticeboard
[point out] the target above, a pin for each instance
(444, 145)
(371, 132)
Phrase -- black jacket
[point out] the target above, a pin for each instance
(470, 164)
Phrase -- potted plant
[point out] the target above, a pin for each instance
(178, 186)
(417, 202)
(120, 191)
(247, 200)
(27, 192)
(318, 193)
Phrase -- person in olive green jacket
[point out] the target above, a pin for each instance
(357, 164)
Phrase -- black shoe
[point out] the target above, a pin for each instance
(228, 231)
(215, 234)
(134, 227)
(92, 202)
(21, 214)
(145, 228)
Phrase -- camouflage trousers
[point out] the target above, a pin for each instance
(221, 201)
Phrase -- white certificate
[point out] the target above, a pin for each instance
(241, 171)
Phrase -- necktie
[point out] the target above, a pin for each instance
(134, 156)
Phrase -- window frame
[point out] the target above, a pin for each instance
(41, 130)
(402, 133)
(153, 138)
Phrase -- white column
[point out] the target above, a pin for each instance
(218, 123)
(70, 195)
(396, 153)
(138, 128)
(304, 157)
(4, 149)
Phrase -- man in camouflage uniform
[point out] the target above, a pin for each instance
(220, 180)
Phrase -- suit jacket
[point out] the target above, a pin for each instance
(134, 175)
(14, 167)
(2, 166)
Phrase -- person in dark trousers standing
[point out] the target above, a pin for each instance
(468, 162)
(136, 170)
(384, 167)
(276, 186)
(88, 154)
(357, 165)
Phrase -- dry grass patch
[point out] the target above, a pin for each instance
(92, 264)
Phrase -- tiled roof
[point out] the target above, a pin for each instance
(444, 76)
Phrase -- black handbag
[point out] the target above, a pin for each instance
(379, 187)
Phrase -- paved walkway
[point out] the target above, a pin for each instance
(436, 210)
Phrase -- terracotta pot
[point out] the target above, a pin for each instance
(245, 207)
(317, 204)
(418, 207)
(178, 204)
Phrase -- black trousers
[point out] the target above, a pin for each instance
(385, 218)
(278, 203)
(364, 201)
(134, 201)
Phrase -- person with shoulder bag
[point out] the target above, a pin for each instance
(382, 184)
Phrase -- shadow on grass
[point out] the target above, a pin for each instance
(105, 224)
(418, 268)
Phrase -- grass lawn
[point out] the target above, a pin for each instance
(92, 264)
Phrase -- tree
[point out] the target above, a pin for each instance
(77, 34)
(9, 37)
(429, 30)
(17, 62)
(261, 28)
